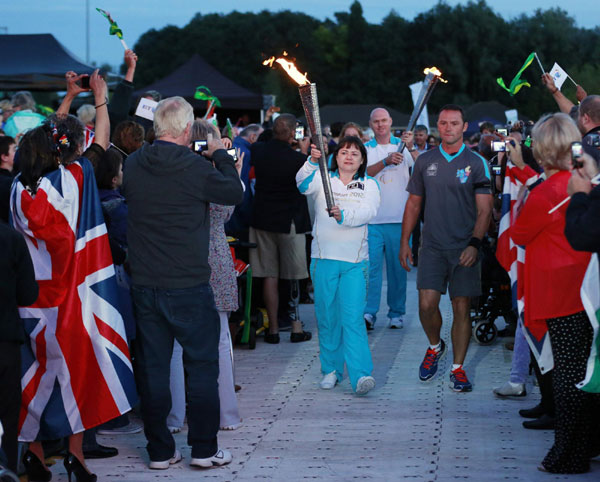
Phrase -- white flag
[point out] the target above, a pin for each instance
(415, 90)
(512, 116)
(558, 75)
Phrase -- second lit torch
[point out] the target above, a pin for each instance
(432, 75)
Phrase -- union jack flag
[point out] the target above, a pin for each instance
(89, 137)
(517, 184)
(77, 370)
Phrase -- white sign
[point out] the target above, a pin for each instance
(558, 75)
(146, 108)
(512, 115)
(415, 90)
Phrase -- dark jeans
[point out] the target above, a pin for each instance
(188, 315)
(10, 400)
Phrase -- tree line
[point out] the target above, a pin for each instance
(354, 61)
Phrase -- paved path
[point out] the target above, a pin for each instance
(403, 429)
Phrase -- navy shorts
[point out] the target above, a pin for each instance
(439, 270)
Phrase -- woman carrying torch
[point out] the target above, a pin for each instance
(339, 266)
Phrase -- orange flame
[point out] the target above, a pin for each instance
(435, 71)
(290, 68)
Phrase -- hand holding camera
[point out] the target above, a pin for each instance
(74, 87)
(98, 86)
(515, 152)
(212, 145)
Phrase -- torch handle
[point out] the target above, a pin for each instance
(310, 103)
(317, 139)
(424, 95)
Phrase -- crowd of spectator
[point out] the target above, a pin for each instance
(167, 192)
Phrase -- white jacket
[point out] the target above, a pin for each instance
(344, 240)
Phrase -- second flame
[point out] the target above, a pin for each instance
(435, 71)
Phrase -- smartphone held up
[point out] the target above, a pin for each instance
(577, 154)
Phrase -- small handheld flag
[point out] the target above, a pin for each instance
(204, 93)
(559, 75)
(229, 129)
(517, 82)
(114, 28)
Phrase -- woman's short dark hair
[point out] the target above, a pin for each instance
(351, 141)
(108, 167)
(71, 127)
(37, 155)
(129, 136)
(5, 143)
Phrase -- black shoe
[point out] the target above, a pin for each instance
(302, 336)
(100, 452)
(36, 472)
(305, 299)
(272, 338)
(74, 466)
(545, 422)
(535, 412)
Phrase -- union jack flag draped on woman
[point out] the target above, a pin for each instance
(517, 183)
(77, 371)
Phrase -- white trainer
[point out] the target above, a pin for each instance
(511, 390)
(165, 464)
(396, 322)
(329, 381)
(222, 457)
(369, 321)
(365, 385)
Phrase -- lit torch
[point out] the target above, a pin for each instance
(310, 103)
(432, 75)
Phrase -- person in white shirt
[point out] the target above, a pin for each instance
(339, 265)
(391, 169)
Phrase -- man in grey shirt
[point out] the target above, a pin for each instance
(455, 182)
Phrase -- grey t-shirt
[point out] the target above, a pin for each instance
(448, 185)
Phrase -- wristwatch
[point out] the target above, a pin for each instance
(412, 149)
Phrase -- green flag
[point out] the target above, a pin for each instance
(114, 28)
(517, 82)
(590, 297)
(229, 129)
(204, 93)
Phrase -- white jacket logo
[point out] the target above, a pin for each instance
(356, 185)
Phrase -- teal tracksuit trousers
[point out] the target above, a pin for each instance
(340, 298)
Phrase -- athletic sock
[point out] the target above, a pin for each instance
(436, 347)
(456, 367)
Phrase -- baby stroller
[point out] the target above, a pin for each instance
(496, 298)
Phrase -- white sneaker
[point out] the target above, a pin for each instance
(365, 385)
(234, 426)
(222, 457)
(369, 321)
(165, 464)
(329, 381)
(511, 390)
(396, 322)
